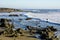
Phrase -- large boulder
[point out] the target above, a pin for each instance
(9, 32)
(5, 22)
(48, 33)
(2, 30)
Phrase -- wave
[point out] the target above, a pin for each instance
(51, 17)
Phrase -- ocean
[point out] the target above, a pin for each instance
(38, 19)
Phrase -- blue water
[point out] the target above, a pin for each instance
(43, 10)
(20, 22)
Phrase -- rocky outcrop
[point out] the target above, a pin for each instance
(8, 28)
(4, 23)
(6, 10)
(10, 10)
(48, 33)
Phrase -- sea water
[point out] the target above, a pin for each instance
(34, 22)
(37, 20)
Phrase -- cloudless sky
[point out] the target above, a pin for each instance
(35, 4)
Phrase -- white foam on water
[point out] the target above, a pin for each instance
(52, 17)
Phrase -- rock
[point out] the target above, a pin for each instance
(5, 22)
(28, 18)
(10, 33)
(52, 28)
(20, 31)
(2, 30)
(48, 33)
(32, 30)
(13, 15)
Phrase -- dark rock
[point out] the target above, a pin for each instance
(28, 18)
(47, 33)
(13, 15)
(20, 31)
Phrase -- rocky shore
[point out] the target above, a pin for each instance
(8, 32)
(8, 10)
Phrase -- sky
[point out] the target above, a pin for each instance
(31, 4)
